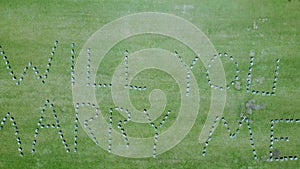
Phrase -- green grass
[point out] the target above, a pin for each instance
(29, 28)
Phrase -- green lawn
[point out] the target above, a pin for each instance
(29, 28)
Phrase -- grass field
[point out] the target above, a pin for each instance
(29, 28)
